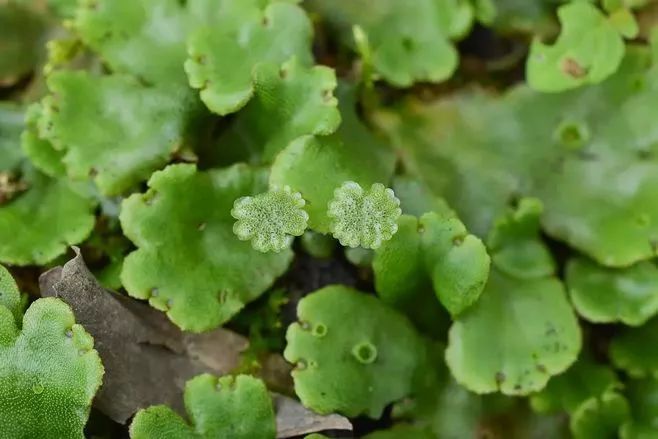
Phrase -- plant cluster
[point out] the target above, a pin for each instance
(483, 173)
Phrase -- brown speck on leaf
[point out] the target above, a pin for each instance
(572, 68)
(10, 186)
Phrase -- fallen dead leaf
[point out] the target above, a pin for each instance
(293, 419)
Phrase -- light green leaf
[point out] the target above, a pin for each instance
(462, 148)
(67, 51)
(270, 220)
(624, 21)
(402, 280)
(188, 262)
(289, 101)
(135, 129)
(515, 245)
(145, 38)
(417, 199)
(410, 41)
(601, 417)
(588, 50)
(10, 296)
(227, 407)
(49, 373)
(465, 149)
(222, 57)
(339, 366)
(606, 295)
(305, 163)
(41, 152)
(570, 150)
(315, 166)
(457, 261)
(519, 334)
(398, 265)
(39, 224)
(616, 163)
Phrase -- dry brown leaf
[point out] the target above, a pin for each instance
(293, 419)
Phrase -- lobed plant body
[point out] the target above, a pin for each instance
(418, 219)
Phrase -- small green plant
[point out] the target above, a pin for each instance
(10, 298)
(455, 203)
(433, 252)
(326, 352)
(515, 245)
(194, 208)
(213, 405)
(64, 370)
(223, 53)
(589, 49)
